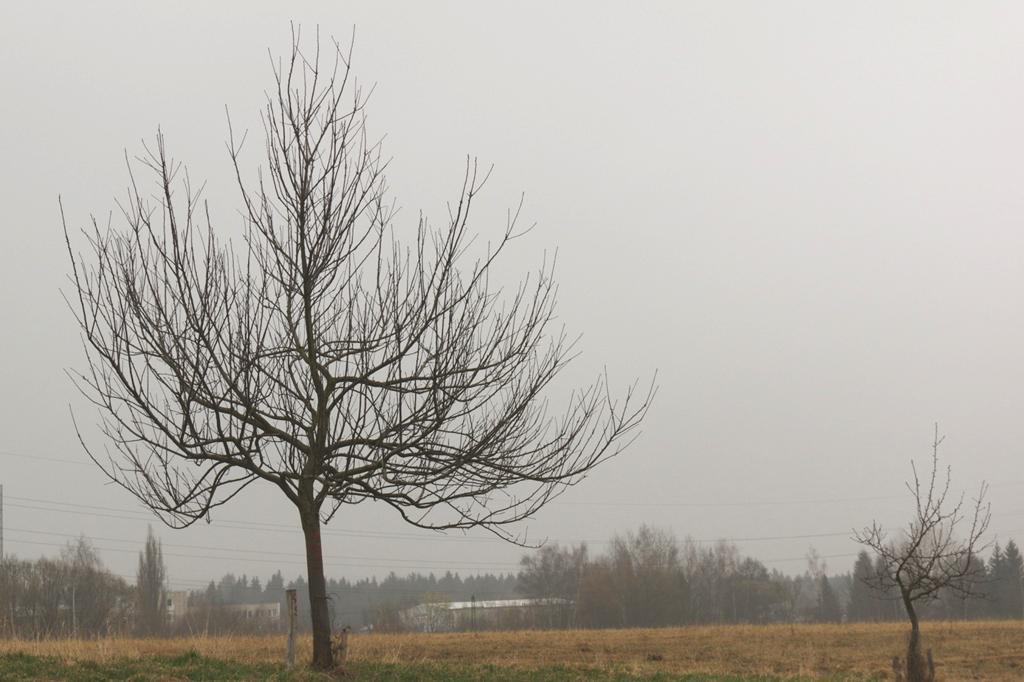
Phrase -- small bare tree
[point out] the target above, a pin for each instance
(936, 551)
(324, 356)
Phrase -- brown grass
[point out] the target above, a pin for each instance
(989, 650)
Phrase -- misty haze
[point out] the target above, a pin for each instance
(485, 341)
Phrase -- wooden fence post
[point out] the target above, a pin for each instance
(293, 615)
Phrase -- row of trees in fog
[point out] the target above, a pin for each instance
(75, 595)
(648, 578)
(72, 594)
(645, 578)
(995, 590)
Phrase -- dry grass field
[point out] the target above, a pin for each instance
(976, 650)
(988, 650)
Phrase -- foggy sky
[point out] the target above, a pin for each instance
(805, 216)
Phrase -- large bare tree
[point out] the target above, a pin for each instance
(937, 551)
(322, 354)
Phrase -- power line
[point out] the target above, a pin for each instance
(277, 527)
(44, 458)
(275, 562)
(269, 527)
(627, 503)
(349, 565)
(278, 562)
(259, 525)
(425, 564)
(292, 555)
(745, 503)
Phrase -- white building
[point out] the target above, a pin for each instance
(177, 605)
(267, 613)
(486, 615)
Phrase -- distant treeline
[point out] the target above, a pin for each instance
(72, 595)
(645, 578)
(648, 578)
(368, 603)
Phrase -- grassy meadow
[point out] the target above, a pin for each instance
(989, 650)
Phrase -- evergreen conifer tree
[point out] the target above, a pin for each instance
(863, 605)
(1009, 585)
(889, 605)
(996, 571)
(151, 605)
(829, 609)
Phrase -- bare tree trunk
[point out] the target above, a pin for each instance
(917, 670)
(322, 656)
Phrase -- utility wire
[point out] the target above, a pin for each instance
(643, 503)
(222, 549)
(259, 525)
(262, 561)
(440, 566)
(276, 527)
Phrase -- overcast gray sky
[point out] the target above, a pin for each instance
(806, 216)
